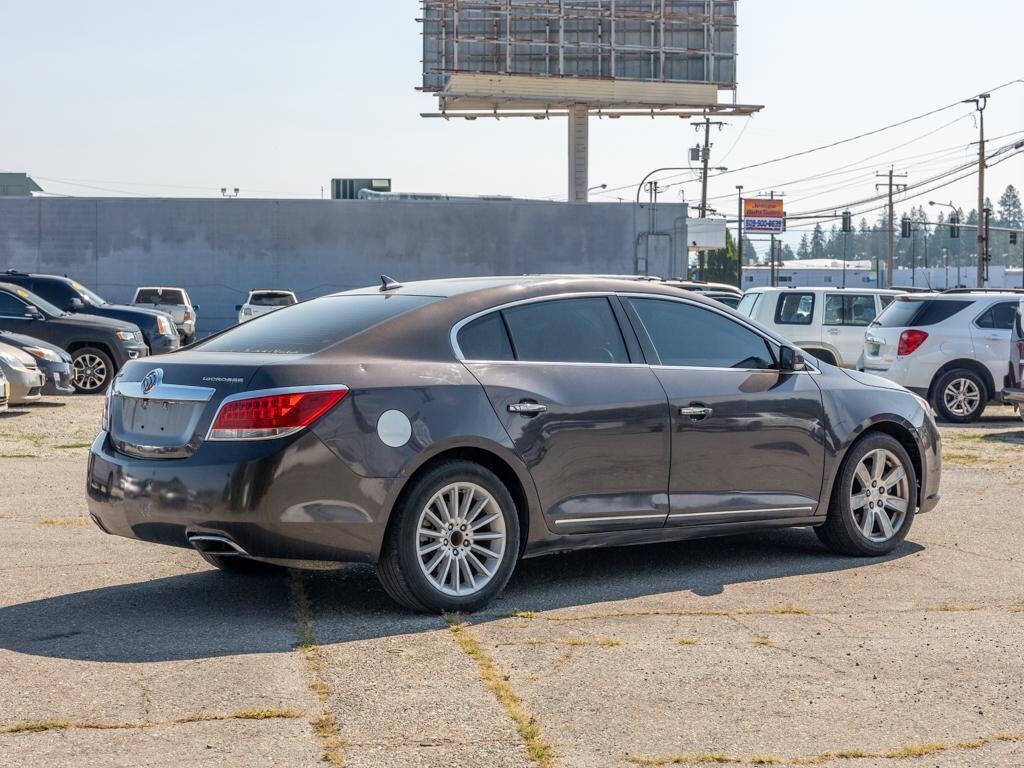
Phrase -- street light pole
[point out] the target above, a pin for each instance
(739, 230)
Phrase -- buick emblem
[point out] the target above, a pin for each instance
(152, 380)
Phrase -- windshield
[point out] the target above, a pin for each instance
(271, 299)
(314, 325)
(40, 302)
(89, 297)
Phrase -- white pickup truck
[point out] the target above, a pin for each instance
(260, 302)
(176, 303)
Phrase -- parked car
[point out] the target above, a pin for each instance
(20, 369)
(828, 323)
(1013, 382)
(723, 293)
(176, 303)
(261, 302)
(158, 331)
(952, 348)
(98, 346)
(444, 429)
(53, 362)
(5, 390)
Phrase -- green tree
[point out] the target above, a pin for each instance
(1011, 214)
(803, 250)
(721, 263)
(817, 242)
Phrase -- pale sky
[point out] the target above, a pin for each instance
(114, 97)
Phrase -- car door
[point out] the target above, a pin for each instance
(583, 409)
(991, 334)
(747, 439)
(846, 317)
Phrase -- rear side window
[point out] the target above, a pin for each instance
(936, 311)
(314, 325)
(794, 309)
(485, 339)
(686, 335)
(271, 300)
(567, 331)
(849, 309)
(886, 299)
(999, 316)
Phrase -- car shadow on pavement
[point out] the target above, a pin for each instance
(208, 613)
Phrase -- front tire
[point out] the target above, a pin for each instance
(454, 541)
(91, 370)
(874, 499)
(960, 396)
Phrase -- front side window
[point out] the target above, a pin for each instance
(687, 335)
(847, 309)
(314, 325)
(748, 303)
(567, 331)
(794, 309)
(485, 339)
(10, 306)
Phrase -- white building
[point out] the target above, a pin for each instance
(861, 274)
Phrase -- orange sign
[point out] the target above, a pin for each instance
(763, 216)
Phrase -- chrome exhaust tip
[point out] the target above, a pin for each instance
(214, 544)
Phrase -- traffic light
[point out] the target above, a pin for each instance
(1013, 238)
(954, 226)
(905, 227)
(847, 221)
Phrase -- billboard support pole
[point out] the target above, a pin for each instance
(739, 241)
(578, 153)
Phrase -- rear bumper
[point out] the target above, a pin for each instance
(286, 499)
(58, 381)
(26, 386)
(1014, 395)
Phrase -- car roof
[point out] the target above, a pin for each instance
(271, 290)
(804, 288)
(158, 288)
(14, 273)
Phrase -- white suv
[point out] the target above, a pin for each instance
(828, 323)
(952, 347)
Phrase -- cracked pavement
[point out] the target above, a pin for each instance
(761, 645)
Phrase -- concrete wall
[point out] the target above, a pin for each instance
(219, 249)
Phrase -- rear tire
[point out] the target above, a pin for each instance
(960, 396)
(854, 524)
(475, 531)
(91, 370)
(240, 565)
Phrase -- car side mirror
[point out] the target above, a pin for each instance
(77, 304)
(238, 307)
(33, 313)
(195, 307)
(791, 359)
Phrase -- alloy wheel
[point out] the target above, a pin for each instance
(961, 397)
(880, 495)
(89, 372)
(460, 539)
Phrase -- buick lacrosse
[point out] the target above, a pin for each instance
(442, 430)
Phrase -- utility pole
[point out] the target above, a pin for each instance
(889, 260)
(739, 232)
(705, 157)
(980, 103)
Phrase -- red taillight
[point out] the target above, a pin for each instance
(274, 414)
(909, 341)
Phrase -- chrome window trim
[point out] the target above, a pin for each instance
(181, 393)
(247, 394)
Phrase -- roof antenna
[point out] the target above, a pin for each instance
(388, 283)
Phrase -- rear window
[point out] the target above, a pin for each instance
(271, 299)
(313, 325)
(906, 312)
(165, 297)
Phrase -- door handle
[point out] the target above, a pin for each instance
(526, 408)
(833, 331)
(696, 412)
